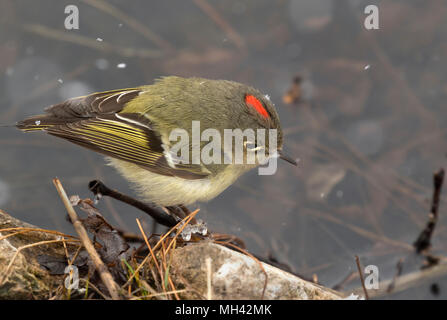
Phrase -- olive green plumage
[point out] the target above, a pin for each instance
(132, 127)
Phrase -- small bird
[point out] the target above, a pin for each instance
(132, 128)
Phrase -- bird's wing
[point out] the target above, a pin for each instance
(95, 122)
(76, 109)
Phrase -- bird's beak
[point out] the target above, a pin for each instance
(287, 158)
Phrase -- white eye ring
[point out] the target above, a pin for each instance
(251, 146)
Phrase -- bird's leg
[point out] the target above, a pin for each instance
(181, 211)
(177, 211)
(157, 213)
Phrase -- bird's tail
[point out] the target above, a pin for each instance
(39, 122)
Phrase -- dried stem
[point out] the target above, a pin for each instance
(104, 273)
(77, 39)
(11, 262)
(209, 293)
(359, 268)
(184, 222)
(423, 242)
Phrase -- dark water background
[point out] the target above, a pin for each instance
(369, 131)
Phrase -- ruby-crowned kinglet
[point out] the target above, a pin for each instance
(134, 128)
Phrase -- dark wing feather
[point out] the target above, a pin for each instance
(94, 104)
(94, 122)
(72, 110)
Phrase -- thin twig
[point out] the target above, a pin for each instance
(154, 293)
(100, 189)
(26, 229)
(104, 273)
(91, 285)
(359, 268)
(77, 39)
(159, 294)
(11, 262)
(165, 269)
(150, 249)
(209, 292)
(423, 242)
(184, 221)
(174, 290)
